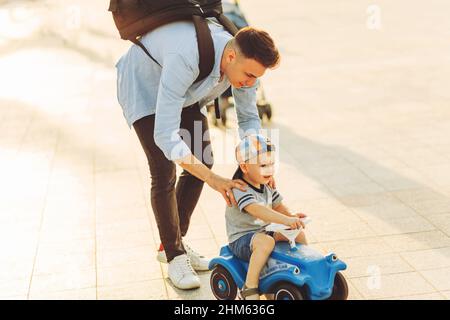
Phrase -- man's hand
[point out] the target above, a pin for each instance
(271, 183)
(224, 186)
(202, 172)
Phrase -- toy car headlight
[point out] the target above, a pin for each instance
(296, 270)
(334, 258)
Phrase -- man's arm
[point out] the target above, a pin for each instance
(176, 77)
(191, 164)
(246, 109)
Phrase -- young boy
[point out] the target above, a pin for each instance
(257, 207)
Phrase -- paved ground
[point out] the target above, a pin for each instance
(361, 103)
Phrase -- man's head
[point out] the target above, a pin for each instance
(256, 157)
(247, 57)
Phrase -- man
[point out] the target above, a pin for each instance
(160, 103)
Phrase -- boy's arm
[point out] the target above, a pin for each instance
(281, 208)
(269, 215)
(278, 206)
(246, 202)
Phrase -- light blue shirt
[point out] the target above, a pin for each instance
(144, 88)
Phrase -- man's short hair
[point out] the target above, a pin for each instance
(258, 45)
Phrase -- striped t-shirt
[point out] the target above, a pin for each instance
(238, 221)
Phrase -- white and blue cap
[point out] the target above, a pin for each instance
(251, 146)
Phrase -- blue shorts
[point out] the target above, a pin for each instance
(241, 247)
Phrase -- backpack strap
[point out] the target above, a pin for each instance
(205, 47)
(139, 43)
(227, 23)
(206, 53)
(231, 28)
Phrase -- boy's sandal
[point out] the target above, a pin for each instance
(245, 292)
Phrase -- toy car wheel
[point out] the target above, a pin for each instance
(288, 291)
(340, 288)
(222, 284)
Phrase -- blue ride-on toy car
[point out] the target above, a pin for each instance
(295, 272)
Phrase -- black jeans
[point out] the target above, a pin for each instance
(173, 205)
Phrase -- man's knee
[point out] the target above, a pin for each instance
(163, 178)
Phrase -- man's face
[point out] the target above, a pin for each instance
(240, 71)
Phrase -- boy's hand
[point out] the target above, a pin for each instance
(294, 222)
(300, 215)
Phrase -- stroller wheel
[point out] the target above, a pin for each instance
(261, 112)
(269, 111)
(265, 109)
(223, 116)
(224, 119)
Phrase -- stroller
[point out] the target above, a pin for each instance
(233, 12)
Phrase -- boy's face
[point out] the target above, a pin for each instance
(261, 169)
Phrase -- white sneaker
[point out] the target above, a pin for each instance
(181, 273)
(198, 262)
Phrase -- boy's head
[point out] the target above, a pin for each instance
(256, 157)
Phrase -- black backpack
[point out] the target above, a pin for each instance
(134, 18)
